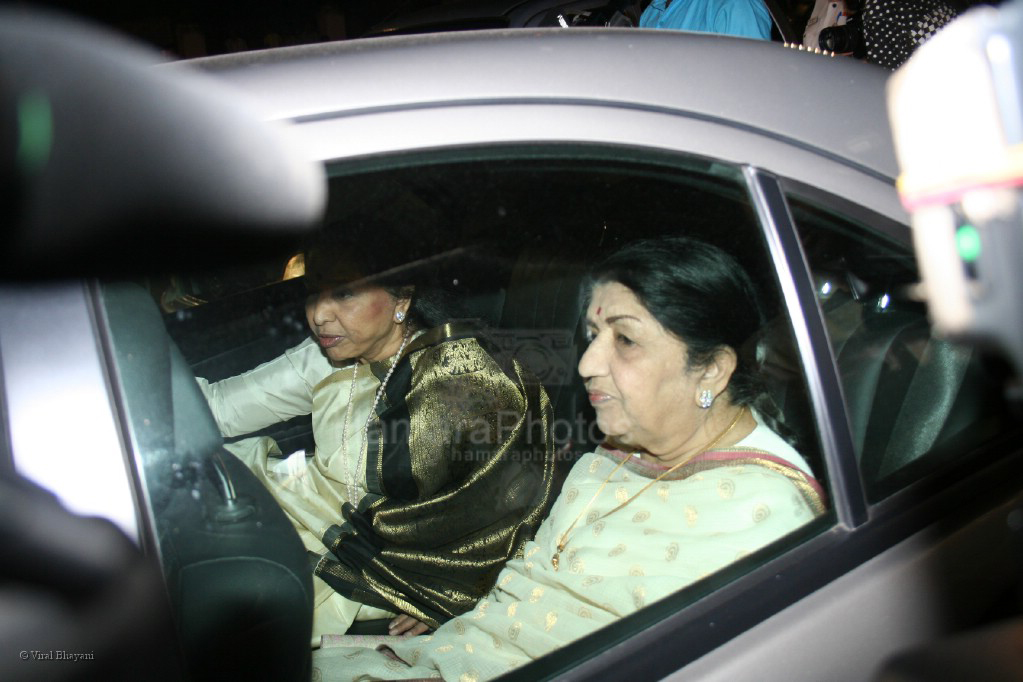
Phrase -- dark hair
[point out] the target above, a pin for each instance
(701, 295)
(349, 251)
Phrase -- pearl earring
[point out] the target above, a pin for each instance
(399, 316)
(706, 399)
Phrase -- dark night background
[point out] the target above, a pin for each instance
(195, 28)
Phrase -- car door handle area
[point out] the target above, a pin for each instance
(237, 574)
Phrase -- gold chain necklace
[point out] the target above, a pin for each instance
(563, 541)
(349, 475)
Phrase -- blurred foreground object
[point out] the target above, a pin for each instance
(101, 154)
(955, 114)
(994, 654)
(77, 599)
(110, 166)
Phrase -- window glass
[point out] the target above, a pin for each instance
(914, 401)
(469, 429)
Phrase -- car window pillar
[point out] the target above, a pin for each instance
(848, 497)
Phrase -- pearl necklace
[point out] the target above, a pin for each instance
(353, 492)
(563, 540)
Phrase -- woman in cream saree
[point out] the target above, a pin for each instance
(690, 478)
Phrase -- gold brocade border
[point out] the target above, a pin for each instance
(326, 566)
(814, 497)
(438, 334)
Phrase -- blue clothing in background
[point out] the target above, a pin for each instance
(747, 18)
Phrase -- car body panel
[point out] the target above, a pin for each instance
(52, 366)
(905, 596)
(454, 126)
(464, 87)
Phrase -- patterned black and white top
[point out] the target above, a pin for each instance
(893, 29)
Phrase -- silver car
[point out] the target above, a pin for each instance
(535, 152)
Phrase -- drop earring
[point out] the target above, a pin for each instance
(706, 399)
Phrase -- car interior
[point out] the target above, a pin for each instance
(518, 247)
(516, 236)
(236, 573)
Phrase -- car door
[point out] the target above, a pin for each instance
(542, 167)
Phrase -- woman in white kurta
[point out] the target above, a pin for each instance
(310, 490)
(413, 425)
(689, 480)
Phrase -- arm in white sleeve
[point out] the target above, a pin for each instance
(271, 393)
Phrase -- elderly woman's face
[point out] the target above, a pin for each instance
(636, 376)
(356, 323)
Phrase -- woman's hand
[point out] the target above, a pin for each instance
(407, 626)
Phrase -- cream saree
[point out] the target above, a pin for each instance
(716, 509)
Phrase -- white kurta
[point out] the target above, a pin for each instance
(310, 490)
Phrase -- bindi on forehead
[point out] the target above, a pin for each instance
(598, 310)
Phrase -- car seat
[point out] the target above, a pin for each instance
(905, 390)
(543, 314)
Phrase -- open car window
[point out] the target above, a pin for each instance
(510, 234)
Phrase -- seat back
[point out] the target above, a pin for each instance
(542, 317)
(906, 391)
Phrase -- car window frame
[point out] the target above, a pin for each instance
(712, 612)
(751, 591)
(694, 614)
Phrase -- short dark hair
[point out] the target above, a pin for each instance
(700, 294)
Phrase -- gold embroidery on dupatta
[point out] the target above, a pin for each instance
(761, 513)
(672, 552)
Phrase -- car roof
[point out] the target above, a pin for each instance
(833, 106)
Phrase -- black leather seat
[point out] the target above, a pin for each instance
(906, 391)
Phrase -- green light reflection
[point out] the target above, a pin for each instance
(35, 131)
(968, 242)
